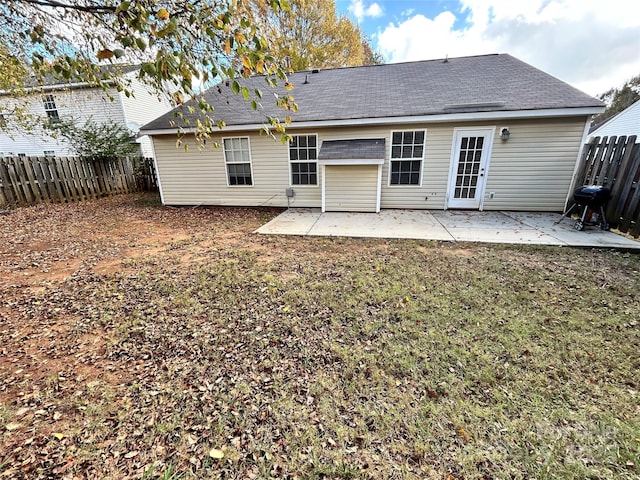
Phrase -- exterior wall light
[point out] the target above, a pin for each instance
(504, 134)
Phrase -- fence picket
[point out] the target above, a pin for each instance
(121, 179)
(43, 185)
(56, 183)
(90, 177)
(17, 180)
(614, 145)
(69, 179)
(26, 183)
(7, 190)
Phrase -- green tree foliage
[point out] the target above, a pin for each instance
(181, 45)
(13, 72)
(617, 99)
(311, 35)
(13, 77)
(94, 139)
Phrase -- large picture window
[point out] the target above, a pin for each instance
(303, 155)
(407, 153)
(237, 156)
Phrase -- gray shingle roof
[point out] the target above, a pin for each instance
(484, 83)
(367, 148)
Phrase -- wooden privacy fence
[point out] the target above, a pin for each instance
(28, 180)
(614, 162)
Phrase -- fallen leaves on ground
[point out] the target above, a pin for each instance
(139, 341)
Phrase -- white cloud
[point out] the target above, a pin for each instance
(578, 41)
(358, 10)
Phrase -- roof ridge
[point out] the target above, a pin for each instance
(442, 60)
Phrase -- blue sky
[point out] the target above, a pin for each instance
(592, 44)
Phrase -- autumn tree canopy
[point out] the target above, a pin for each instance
(312, 35)
(617, 99)
(181, 45)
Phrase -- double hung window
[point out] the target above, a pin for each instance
(303, 155)
(407, 154)
(237, 156)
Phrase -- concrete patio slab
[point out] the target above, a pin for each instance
(565, 231)
(452, 225)
(417, 224)
(295, 221)
(491, 227)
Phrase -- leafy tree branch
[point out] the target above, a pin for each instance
(181, 46)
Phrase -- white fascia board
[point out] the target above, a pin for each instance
(447, 117)
(352, 161)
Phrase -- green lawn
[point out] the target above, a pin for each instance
(309, 358)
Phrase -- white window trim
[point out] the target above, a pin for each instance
(317, 184)
(422, 160)
(226, 171)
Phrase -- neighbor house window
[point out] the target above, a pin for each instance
(237, 156)
(50, 108)
(407, 153)
(303, 155)
(49, 153)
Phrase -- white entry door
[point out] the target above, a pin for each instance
(469, 161)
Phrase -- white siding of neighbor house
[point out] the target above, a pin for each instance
(141, 108)
(530, 171)
(626, 123)
(78, 105)
(351, 188)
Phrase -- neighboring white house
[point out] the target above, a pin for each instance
(79, 102)
(627, 122)
(488, 132)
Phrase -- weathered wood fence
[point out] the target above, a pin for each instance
(29, 180)
(614, 162)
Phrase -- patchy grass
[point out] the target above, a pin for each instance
(142, 342)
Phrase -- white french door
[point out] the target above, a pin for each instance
(469, 161)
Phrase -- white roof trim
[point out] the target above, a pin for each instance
(352, 161)
(445, 117)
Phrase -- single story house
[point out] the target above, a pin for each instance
(484, 132)
(627, 123)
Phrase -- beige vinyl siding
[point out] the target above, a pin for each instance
(351, 188)
(199, 176)
(533, 169)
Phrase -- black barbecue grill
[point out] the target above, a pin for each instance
(591, 199)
